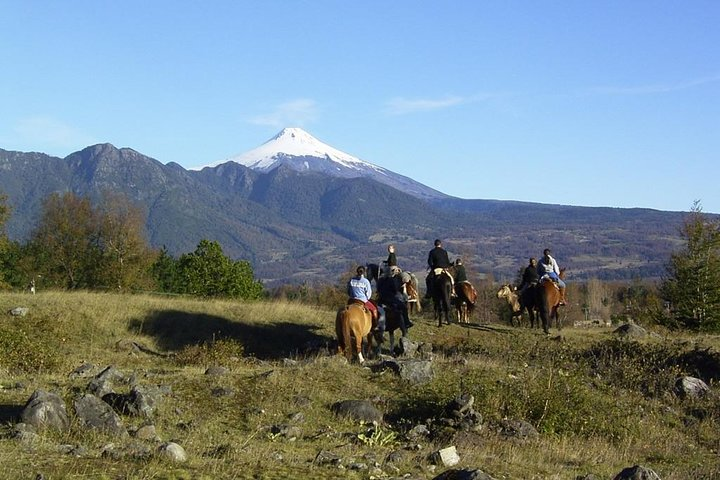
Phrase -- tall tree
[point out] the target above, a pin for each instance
(65, 243)
(693, 284)
(126, 255)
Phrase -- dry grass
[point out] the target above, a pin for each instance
(591, 418)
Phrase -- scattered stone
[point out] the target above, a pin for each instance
(631, 330)
(327, 458)
(465, 474)
(302, 400)
(362, 410)
(104, 381)
(408, 348)
(518, 429)
(418, 432)
(147, 432)
(637, 473)
(83, 370)
(19, 311)
(297, 417)
(288, 362)
(413, 371)
(691, 387)
(217, 370)
(461, 404)
(46, 410)
(289, 432)
(447, 456)
(74, 450)
(96, 414)
(173, 452)
(222, 392)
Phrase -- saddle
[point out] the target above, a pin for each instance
(373, 314)
(548, 278)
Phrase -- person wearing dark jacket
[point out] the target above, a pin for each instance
(530, 275)
(437, 259)
(391, 295)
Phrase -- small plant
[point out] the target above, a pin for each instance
(376, 437)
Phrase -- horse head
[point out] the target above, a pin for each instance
(505, 291)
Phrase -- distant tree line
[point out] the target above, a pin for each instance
(80, 245)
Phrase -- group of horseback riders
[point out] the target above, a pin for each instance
(391, 281)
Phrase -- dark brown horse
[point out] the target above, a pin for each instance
(353, 322)
(465, 298)
(548, 300)
(441, 293)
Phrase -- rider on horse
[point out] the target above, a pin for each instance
(359, 290)
(438, 261)
(548, 268)
(391, 295)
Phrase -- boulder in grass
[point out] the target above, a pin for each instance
(637, 472)
(362, 410)
(45, 410)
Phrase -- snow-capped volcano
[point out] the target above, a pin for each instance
(297, 149)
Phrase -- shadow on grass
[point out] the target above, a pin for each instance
(10, 413)
(173, 330)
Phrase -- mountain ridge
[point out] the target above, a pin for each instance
(309, 226)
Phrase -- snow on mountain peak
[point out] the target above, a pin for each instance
(296, 142)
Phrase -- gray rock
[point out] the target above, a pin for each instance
(519, 429)
(461, 404)
(362, 410)
(288, 432)
(19, 311)
(637, 472)
(217, 370)
(465, 474)
(631, 330)
(104, 382)
(83, 370)
(173, 452)
(96, 414)
(412, 371)
(147, 432)
(46, 410)
(691, 387)
(327, 458)
(408, 348)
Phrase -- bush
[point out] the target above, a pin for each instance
(217, 352)
(23, 351)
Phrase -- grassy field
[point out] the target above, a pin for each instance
(599, 403)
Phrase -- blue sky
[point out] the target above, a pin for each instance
(594, 103)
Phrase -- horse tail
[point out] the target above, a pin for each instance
(342, 330)
(346, 334)
(543, 307)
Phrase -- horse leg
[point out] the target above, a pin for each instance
(391, 339)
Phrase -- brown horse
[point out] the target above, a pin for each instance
(353, 321)
(465, 299)
(519, 305)
(411, 289)
(548, 300)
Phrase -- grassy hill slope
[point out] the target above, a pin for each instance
(599, 404)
